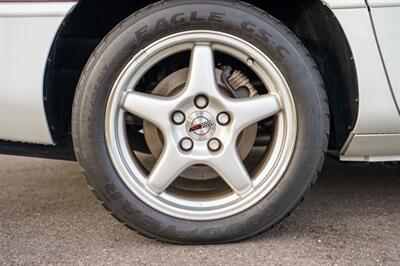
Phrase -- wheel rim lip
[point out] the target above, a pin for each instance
(131, 173)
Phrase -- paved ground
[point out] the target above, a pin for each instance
(49, 217)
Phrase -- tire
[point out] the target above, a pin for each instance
(235, 18)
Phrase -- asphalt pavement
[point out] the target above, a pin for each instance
(49, 217)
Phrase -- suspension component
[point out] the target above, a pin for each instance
(238, 83)
(239, 80)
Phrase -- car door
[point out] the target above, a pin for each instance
(385, 17)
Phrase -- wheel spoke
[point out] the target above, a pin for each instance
(154, 109)
(201, 77)
(167, 169)
(252, 110)
(232, 170)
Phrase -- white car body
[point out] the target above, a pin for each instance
(27, 32)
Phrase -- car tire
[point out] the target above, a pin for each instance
(166, 18)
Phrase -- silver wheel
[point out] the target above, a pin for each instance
(209, 136)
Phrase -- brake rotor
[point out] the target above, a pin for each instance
(170, 86)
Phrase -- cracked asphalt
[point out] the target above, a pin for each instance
(48, 216)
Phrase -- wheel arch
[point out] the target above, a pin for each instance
(311, 21)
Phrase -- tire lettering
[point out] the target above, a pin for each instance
(248, 26)
(140, 34)
(216, 17)
(282, 51)
(178, 18)
(127, 207)
(264, 35)
(112, 192)
(193, 17)
(162, 23)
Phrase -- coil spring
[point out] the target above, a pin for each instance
(239, 80)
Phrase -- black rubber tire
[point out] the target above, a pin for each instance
(244, 21)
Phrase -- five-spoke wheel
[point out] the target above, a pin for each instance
(200, 125)
(201, 91)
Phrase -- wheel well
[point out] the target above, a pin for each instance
(312, 22)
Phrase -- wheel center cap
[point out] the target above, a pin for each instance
(201, 125)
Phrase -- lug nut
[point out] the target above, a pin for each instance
(186, 144)
(223, 119)
(178, 118)
(214, 145)
(201, 101)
